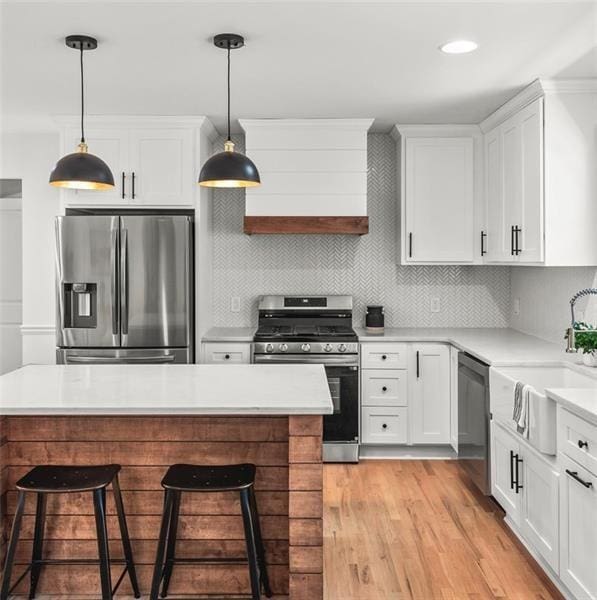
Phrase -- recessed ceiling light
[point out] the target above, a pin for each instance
(459, 47)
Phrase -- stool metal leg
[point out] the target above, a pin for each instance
(245, 505)
(171, 546)
(260, 547)
(99, 506)
(158, 568)
(38, 540)
(124, 535)
(12, 546)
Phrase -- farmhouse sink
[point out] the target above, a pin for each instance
(542, 409)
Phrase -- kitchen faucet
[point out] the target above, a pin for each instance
(570, 332)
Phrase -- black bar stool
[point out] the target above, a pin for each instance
(194, 478)
(43, 480)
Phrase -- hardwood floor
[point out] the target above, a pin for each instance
(414, 529)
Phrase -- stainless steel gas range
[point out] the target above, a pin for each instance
(317, 330)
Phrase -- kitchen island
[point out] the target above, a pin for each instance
(148, 417)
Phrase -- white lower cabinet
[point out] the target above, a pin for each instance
(527, 487)
(384, 425)
(429, 394)
(226, 353)
(405, 393)
(539, 510)
(504, 450)
(578, 529)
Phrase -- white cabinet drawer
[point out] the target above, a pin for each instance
(384, 387)
(578, 440)
(214, 353)
(383, 356)
(384, 425)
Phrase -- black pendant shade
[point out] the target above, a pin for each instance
(229, 169)
(81, 170)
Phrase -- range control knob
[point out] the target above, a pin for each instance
(342, 347)
(328, 347)
(269, 348)
(283, 347)
(306, 347)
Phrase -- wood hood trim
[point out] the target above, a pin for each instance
(301, 225)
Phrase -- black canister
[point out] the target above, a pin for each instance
(374, 319)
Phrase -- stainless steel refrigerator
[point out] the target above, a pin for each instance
(124, 288)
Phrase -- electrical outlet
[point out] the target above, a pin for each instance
(435, 305)
(235, 304)
(516, 306)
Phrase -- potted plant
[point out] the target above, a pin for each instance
(585, 339)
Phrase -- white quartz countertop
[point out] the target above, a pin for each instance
(165, 390)
(494, 346)
(580, 401)
(229, 334)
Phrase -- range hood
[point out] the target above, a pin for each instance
(313, 173)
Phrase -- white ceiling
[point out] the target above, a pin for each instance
(302, 58)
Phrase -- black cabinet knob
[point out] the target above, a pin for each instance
(384, 426)
(227, 357)
(384, 389)
(582, 444)
(383, 357)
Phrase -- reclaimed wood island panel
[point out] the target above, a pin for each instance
(285, 448)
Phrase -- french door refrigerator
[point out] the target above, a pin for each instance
(124, 288)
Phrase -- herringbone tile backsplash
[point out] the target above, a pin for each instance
(365, 267)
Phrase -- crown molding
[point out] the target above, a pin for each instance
(148, 121)
(570, 86)
(433, 130)
(356, 124)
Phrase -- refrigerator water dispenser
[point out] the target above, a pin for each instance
(80, 304)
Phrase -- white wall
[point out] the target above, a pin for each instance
(30, 157)
(544, 294)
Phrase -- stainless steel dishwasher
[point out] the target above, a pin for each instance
(473, 420)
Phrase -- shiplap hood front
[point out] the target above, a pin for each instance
(313, 174)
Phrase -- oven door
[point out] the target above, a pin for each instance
(340, 429)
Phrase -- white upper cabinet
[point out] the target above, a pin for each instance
(111, 145)
(540, 153)
(514, 188)
(438, 172)
(153, 160)
(161, 164)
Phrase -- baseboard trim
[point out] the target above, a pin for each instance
(393, 452)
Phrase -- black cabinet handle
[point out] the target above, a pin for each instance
(483, 236)
(512, 240)
(418, 364)
(574, 475)
(133, 186)
(517, 231)
(384, 426)
(384, 389)
(123, 178)
(583, 444)
(511, 470)
(518, 463)
(410, 245)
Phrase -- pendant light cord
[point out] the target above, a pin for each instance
(82, 100)
(228, 92)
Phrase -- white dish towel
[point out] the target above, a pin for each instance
(521, 408)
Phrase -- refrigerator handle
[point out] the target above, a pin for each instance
(114, 281)
(124, 294)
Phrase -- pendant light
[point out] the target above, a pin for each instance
(82, 170)
(229, 169)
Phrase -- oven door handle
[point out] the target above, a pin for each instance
(349, 361)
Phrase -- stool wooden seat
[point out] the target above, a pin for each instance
(204, 479)
(53, 479)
